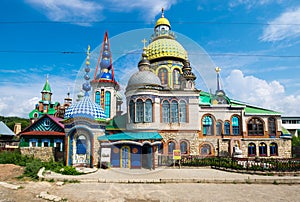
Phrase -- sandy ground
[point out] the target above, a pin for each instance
(142, 192)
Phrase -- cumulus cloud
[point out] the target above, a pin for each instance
(20, 99)
(152, 8)
(70, 10)
(83, 12)
(283, 27)
(256, 91)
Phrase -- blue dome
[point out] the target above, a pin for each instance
(106, 54)
(105, 63)
(106, 75)
(85, 109)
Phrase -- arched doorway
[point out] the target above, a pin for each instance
(125, 157)
(147, 160)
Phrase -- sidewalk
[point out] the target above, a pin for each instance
(170, 175)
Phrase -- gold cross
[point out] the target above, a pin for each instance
(144, 41)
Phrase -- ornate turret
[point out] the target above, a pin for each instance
(104, 85)
(45, 105)
(188, 77)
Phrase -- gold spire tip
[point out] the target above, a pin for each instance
(217, 69)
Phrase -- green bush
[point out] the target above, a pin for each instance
(69, 170)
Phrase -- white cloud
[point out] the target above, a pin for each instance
(20, 99)
(88, 10)
(149, 8)
(69, 10)
(283, 27)
(252, 90)
(249, 4)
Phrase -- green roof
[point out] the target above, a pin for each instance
(285, 131)
(117, 123)
(256, 110)
(47, 87)
(131, 136)
(205, 98)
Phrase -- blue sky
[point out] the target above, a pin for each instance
(256, 44)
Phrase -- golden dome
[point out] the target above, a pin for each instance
(162, 21)
(165, 47)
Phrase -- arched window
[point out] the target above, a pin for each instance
(176, 75)
(160, 148)
(81, 145)
(251, 149)
(174, 111)
(148, 111)
(255, 127)
(273, 149)
(171, 147)
(208, 126)
(97, 97)
(107, 104)
(163, 75)
(182, 111)
(272, 126)
(131, 111)
(166, 112)
(219, 128)
(235, 125)
(139, 111)
(205, 150)
(184, 147)
(227, 128)
(262, 149)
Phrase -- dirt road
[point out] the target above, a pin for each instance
(143, 192)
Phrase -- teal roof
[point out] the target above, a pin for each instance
(131, 136)
(204, 98)
(117, 123)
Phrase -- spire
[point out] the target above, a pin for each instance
(47, 88)
(105, 62)
(86, 86)
(162, 12)
(144, 64)
(218, 69)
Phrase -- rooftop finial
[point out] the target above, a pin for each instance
(144, 41)
(86, 86)
(218, 69)
(162, 12)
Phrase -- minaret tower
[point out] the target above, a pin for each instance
(104, 86)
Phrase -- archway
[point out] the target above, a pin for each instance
(147, 159)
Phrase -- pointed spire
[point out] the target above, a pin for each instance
(46, 88)
(218, 69)
(86, 86)
(105, 62)
(162, 12)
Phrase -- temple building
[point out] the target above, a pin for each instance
(165, 112)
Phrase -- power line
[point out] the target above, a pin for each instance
(138, 53)
(143, 22)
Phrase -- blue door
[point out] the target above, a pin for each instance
(125, 158)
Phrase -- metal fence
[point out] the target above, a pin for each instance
(254, 164)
